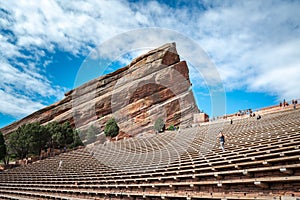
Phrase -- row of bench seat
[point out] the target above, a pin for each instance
(261, 161)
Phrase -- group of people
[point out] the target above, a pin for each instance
(283, 104)
(244, 112)
(294, 103)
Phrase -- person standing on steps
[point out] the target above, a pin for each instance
(222, 140)
(59, 164)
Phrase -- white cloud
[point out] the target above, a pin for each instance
(17, 105)
(252, 43)
(22, 92)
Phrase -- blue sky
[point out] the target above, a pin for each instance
(254, 45)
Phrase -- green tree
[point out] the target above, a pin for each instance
(3, 149)
(67, 134)
(111, 128)
(159, 125)
(76, 139)
(19, 142)
(60, 135)
(28, 138)
(31, 138)
(39, 137)
(54, 131)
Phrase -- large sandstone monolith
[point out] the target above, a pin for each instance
(153, 85)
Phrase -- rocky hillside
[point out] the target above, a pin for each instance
(153, 85)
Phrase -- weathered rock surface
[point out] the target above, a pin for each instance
(153, 85)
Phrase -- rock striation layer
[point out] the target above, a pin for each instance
(153, 85)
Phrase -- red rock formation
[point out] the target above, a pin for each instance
(152, 85)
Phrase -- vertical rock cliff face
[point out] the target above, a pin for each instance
(153, 85)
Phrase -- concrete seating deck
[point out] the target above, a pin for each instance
(261, 161)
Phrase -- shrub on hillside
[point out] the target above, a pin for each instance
(91, 134)
(111, 128)
(171, 128)
(159, 125)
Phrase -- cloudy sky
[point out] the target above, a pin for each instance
(253, 44)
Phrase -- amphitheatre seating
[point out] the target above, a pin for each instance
(261, 161)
